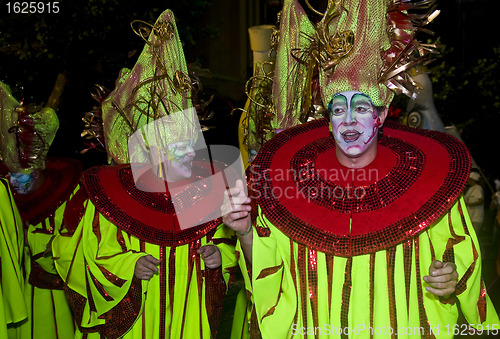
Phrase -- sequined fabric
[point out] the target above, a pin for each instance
(346, 295)
(462, 283)
(120, 318)
(375, 196)
(424, 321)
(214, 297)
(417, 154)
(77, 303)
(61, 177)
(98, 191)
(43, 279)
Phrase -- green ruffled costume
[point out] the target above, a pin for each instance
(97, 261)
(347, 267)
(280, 287)
(50, 315)
(13, 310)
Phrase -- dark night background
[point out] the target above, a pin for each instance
(89, 41)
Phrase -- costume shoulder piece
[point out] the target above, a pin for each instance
(154, 216)
(305, 192)
(62, 175)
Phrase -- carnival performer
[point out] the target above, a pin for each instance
(145, 255)
(347, 231)
(41, 189)
(13, 311)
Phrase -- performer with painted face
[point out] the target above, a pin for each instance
(145, 255)
(351, 229)
(41, 187)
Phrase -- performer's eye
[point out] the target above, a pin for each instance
(361, 109)
(337, 111)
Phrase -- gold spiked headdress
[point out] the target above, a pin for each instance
(367, 46)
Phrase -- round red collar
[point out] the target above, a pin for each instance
(151, 216)
(305, 192)
(62, 175)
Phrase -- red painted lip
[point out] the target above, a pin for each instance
(350, 135)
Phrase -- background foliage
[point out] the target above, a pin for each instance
(89, 39)
(468, 96)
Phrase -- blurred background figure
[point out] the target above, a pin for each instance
(474, 199)
(495, 208)
(41, 188)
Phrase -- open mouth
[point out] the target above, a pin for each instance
(350, 135)
(187, 164)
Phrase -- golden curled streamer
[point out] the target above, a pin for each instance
(396, 76)
(182, 82)
(313, 9)
(328, 50)
(143, 32)
(259, 92)
(254, 80)
(164, 30)
(275, 39)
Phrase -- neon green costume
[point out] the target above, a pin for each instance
(27, 133)
(284, 307)
(347, 264)
(340, 251)
(12, 307)
(178, 302)
(120, 216)
(49, 310)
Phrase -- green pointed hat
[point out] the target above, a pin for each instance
(158, 86)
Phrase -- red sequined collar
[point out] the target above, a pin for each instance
(151, 216)
(305, 192)
(62, 175)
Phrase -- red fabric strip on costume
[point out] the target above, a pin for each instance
(391, 262)
(424, 322)
(346, 297)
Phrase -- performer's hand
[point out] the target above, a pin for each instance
(236, 208)
(145, 267)
(210, 255)
(442, 278)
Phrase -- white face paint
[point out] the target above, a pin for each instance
(355, 122)
(180, 160)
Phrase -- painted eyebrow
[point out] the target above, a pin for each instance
(356, 99)
(344, 99)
